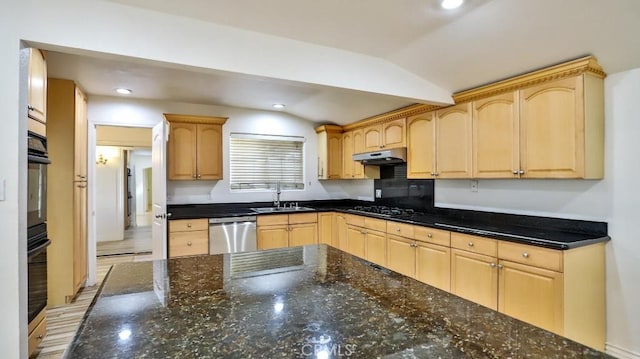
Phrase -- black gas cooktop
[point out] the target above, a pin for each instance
(387, 211)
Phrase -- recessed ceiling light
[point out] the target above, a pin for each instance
(123, 91)
(451, 4)
(278, 105)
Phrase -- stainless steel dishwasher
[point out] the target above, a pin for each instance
(232, 234)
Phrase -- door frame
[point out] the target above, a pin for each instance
(92, 262)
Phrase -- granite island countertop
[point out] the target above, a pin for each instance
(314, 301)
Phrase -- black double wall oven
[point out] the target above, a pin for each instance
(37, 239)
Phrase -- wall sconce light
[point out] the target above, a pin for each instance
(101, 160)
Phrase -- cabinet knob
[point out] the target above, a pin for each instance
(492, 265)
(429, 235)
(470, 244)
(436, 174)
(194, 176)
(199, 176)
(30, 108)
(189, 225)
(189, 244)
(381, 146)
(515, 172)
(500, 266)
(521, 172)
(414, 245)
(397, 229)
(525, 254)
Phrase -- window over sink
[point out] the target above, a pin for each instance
(261, 162)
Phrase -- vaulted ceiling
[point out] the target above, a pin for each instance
(481, 42)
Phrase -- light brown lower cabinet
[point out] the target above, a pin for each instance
(286, 230)
(37, 330)
(401, 255)
(376, 247)
(326, 227)
(433, 265)
(356, 241)
(188, 237)
(341, 231)
(474, 277)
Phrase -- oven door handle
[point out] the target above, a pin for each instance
(38, 159)
(38, 248)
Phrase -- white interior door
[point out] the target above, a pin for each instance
(160, 135)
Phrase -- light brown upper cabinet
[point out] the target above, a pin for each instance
(329, 152)
(353, 142)
(347, 152)
(389, 134)
(37, 85)
(439, 143)
(195, 147)
(496, 137)
(562, 129)
(421, 132)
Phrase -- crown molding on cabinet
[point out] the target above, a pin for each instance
(195, 119)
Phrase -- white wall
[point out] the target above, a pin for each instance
(138, 162)
(143, 112)
(109, 196)
(615, 200)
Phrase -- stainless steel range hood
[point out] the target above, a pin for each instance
(382, 157)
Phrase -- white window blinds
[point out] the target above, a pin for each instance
(258, 162)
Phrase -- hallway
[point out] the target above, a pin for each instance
(137, 240)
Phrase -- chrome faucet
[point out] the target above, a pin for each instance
(278, 192)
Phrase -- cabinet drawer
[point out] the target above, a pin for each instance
(303, 218)
(375, 224)
(431, 235)
(475, 244)
(355, 220)
(531, 255)
(400, 229)
(188, 243)
(36, 336)
(182, 225)
(272, 219)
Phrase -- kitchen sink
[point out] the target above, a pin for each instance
(282, 209)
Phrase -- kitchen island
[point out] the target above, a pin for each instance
(313, 301)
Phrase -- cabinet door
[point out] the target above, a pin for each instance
(401, 255)
(303, 234)
(80, 142)
(209, 152)
(421, 146)
(356, 241)
(376, 243)
(393, 134)
(496, 149)
(325, 228)
(79, 235)
(273, 237)
(334, 144)
(37, 85)
(372, 138)
(453, 142)
(182, 151)
(474, 277)
(433, 265)
(531, 294)
(552, 129)
(358, 147)
(347, 152)
(341, 232)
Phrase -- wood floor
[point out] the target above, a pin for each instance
(136, 240)
(63, 321)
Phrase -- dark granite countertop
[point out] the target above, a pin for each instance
(313, 301)
(554, 233)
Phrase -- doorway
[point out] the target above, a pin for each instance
(123, 163)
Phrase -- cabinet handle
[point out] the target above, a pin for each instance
(470, 244)
(521, 172)
(525, 254)
(500, 266)
(189, 225)
(82, 186)
(492, 265)
(429, 235)
(199, 176)
(381, 146)
(189, 244)
(436, 174)
(194, 176)
(81, 176)
(515, 172)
